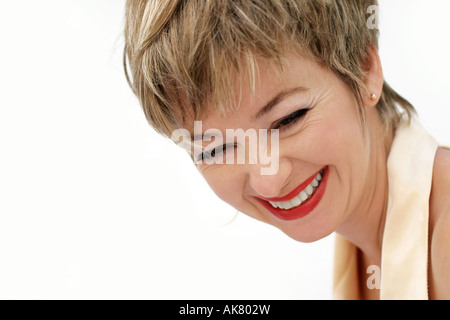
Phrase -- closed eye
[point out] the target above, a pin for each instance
(211, 154)
(291, 119)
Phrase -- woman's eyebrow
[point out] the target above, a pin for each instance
(277, 99)
(266, 108)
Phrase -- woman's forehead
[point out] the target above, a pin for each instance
(270, 85)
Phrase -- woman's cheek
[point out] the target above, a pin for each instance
(225, 181)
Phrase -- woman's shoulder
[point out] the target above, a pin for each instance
(440, 227)
(441, 181)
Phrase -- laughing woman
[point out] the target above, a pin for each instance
(352, 158)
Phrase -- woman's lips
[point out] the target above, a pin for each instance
(306, 206)
(294, 192)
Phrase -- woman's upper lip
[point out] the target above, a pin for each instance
(294, 192)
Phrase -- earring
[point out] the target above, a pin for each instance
(373, 97)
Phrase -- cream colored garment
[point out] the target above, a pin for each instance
(404, 259)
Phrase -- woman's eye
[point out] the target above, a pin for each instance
(211, 154)
(291, 119)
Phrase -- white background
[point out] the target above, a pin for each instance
(95, 205)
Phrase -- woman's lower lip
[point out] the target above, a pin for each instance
(305, 208)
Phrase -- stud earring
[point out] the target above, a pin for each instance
(373, 97)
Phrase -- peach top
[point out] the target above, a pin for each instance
(404, 260)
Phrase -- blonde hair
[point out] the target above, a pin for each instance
(184, 55)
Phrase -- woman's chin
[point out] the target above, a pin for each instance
(308, 237)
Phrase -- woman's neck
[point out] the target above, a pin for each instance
(365, 226)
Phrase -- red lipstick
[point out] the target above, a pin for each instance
(306, 207)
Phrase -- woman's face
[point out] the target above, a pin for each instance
(324, 154)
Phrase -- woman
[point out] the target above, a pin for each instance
(350, 156)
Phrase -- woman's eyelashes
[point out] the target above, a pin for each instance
(290, 120)
(215, 152)
(283, 124)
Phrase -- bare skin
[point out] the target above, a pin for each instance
(439, 266)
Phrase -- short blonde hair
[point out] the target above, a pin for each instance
(182, 56)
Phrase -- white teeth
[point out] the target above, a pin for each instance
(309, 190)
(295, 202)
(301, 197)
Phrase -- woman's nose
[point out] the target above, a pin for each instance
(270, 185)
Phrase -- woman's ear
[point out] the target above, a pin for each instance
(374, 79)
